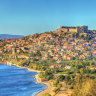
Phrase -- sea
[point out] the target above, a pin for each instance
(16, 81)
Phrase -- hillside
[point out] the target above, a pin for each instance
(66, 59)
(7, 36)
(55, 45)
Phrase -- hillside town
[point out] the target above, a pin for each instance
(66, 43)
(65, 59)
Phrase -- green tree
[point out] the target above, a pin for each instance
(46, 94)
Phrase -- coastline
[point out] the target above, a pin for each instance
(48, 85)
(48, 89)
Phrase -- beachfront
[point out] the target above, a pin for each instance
(49, 86)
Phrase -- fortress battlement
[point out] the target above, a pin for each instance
(77, 29)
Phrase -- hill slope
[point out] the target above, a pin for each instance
(54, 45)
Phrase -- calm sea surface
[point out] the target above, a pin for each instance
(18, 82)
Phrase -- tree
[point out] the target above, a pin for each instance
(85, 88)
(73, 58)
(55, 82)
(61, 78)
(56, 89)
(46, 94)
(79, 66)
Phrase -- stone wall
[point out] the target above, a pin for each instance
(64, 29)
(79, 29)
(84, 34)
(73, 30)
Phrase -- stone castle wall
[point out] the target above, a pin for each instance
(77, 29)
(64, 29)
(73, 30)
(82, 29)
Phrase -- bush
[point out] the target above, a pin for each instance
(59, 85)
(55, 82)
(71, 87)
(85, 87)
(61, 78)
(56, 89)
(49, 77)
(46, 94)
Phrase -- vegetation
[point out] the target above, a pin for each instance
(84, 87)
(46, 94)
(80, 78)
(61, 57)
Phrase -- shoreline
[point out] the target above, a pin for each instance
(37, 79)
(48, 88)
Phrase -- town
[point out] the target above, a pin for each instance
(65, 59)
(66, 43)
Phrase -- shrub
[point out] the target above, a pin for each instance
(59, 85)
(56, 89)
(46, 94)
(55, 82)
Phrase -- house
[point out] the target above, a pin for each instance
(55, 66)
(52, 66)
(67, 67)
(90, 67)
(43, 79)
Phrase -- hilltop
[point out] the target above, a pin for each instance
(66, 43)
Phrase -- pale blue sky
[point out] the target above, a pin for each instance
(26, 17)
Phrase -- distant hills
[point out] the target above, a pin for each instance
(7, 36)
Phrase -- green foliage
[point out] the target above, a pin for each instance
(21, 51)
(37, 35)
(75, 78)
(54, 34)
(35, 59)
(25, 38)
(83, 37)
(56, 89)
(35, 54)
(79, 66)
(59, 85)
(55, 82)
(61, 77)
(85, 87)
(71, 87)
(86, 49)
(48, 74)
(49, 77)
(73, 58)
(46, 94)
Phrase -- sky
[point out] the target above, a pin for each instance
(27, 17)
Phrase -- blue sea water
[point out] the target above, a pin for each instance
(16, 81)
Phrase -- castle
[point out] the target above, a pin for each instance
(77, 29)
